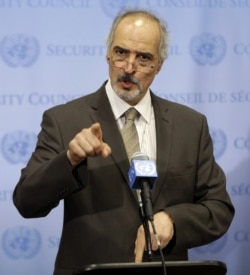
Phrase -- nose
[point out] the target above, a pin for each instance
(130, 64)
(129, 67)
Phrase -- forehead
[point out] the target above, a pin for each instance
(137, 34)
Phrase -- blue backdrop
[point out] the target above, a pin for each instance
(52, 51)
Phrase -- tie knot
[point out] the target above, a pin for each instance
(131, 114)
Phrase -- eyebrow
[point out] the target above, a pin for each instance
(137, 52)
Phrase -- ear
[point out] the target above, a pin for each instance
(159, 67)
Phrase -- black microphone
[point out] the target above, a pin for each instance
(142, 176)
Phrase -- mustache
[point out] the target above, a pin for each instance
(127, 78)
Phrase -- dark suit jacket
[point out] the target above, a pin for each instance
(100, 211)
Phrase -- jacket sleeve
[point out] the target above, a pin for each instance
(48, 176)
(208, 216)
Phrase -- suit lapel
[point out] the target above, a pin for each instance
(163, 141)
(101, 111)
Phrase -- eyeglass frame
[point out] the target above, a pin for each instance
(138, 64)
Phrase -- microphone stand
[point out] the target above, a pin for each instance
(145, 224)
(149, 217)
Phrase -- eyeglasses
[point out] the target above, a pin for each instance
(142, 66)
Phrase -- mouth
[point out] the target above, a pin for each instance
(127, 82)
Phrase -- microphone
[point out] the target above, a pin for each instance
(142, 176)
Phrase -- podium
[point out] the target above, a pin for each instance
(156, 268)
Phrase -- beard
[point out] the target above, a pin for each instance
(124, 93)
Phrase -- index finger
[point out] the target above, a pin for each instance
(96, 130)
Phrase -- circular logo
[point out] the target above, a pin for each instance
(208, 49)
(18, 146)
(19, 50)
(219, 142)
(145, 167)
(21, 242)
(112, 7)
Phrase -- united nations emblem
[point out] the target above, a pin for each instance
(208, 49)
(21, 242)
(19, 50)
(18, 146)
(112, 7)
(145, 168)
(219, 142)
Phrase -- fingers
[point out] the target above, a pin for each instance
(96, 130)
(87, 143)
(104, 149)
(164, 228)
(139, 245)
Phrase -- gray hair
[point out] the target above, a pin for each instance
(164, 35)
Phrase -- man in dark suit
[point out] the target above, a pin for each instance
(80, 158)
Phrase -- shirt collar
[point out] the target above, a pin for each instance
(120, 106)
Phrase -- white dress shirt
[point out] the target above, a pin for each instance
(145, 124)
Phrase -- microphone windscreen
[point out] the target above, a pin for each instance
(139, 156)
(141, 169)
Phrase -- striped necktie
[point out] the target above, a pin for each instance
(129, 133)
